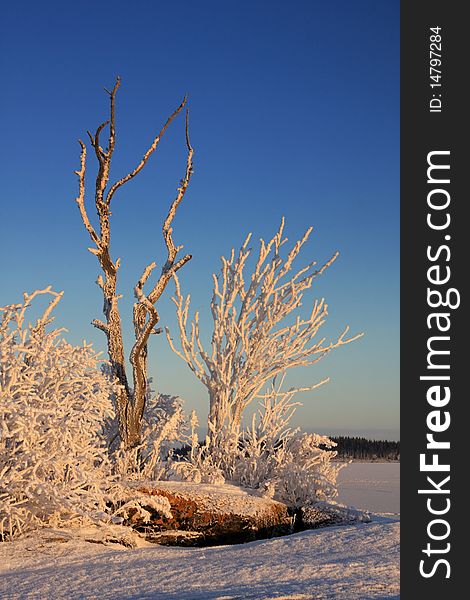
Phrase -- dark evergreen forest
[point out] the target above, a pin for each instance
(362, 448)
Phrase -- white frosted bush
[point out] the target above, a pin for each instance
(306, 474)
(291, 467)
(55, 406)
(259, 329)
(163, 427)
(202, 463)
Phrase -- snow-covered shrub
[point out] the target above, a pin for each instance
(290, 466)
(163, 427)
(201, 465)
(293, 467)
(55, 408)
(260, 332)
(306, 474)
(54, 404)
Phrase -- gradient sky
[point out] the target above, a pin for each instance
(294, 111)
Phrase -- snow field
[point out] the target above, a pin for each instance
(357, 562)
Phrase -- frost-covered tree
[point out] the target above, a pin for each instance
(131, 396)
(258, 332)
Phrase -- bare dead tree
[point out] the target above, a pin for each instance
(130, 401)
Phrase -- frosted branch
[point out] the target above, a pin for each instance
(146, 156)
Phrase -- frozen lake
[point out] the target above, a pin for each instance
(372, 486)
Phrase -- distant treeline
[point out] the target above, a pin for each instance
(361, 448)
(348, 447)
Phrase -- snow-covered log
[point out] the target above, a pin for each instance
(205, 514)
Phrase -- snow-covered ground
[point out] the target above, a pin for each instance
(371, 486)
(354, 562)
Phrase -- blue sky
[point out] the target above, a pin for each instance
(294, 111)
